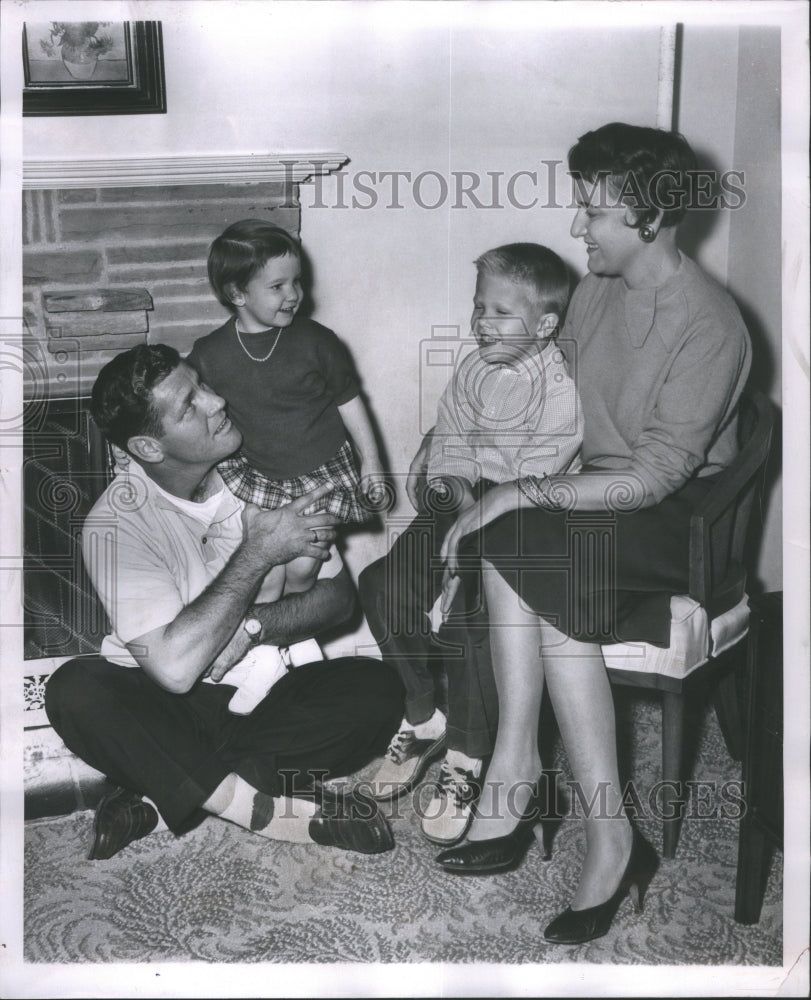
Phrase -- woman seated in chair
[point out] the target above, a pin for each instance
(660, 355)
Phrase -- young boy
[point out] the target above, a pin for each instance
(510, 410)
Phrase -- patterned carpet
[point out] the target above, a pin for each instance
(220, 894)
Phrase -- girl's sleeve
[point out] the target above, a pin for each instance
(337, 367)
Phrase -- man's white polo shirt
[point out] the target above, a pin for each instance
(150, 554)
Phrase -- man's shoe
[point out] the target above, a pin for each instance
(351, 822)
(121, 817)
(448, 814)
(405, 762)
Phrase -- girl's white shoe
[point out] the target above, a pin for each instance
(261, 668)
(253, 677)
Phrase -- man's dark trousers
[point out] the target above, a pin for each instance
(323, 719)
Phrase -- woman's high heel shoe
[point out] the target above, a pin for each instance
(498, 854)
(579, 926)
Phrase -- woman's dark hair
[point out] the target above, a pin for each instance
(649, 168)
(121, 401)
(242, 250)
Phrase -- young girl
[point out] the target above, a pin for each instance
(290, 386)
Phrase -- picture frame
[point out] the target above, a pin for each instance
(93, 68)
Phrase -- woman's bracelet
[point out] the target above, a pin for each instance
(537, 491)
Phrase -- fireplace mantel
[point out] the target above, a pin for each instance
(292, 168)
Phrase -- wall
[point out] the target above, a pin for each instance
(755, 279)
(435, 87)
(742, 248)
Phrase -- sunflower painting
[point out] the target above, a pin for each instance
(93, 67)
(76, 53)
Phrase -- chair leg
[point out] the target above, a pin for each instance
(728, 702)
(672, 750)
(753, 855)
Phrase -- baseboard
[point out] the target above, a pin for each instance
(55, 781)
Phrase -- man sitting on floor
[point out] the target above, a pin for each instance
(179, 564)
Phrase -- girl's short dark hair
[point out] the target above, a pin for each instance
(535, 266)
(242, 250)
(650, 168)
(121, 400)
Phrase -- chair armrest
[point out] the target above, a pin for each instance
(723, 494)
(718, 525)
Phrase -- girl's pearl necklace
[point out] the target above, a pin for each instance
(245, 349)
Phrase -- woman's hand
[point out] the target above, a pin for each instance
(373, 480)
(493, 504)
(450, 584)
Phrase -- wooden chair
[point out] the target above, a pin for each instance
(709, 624)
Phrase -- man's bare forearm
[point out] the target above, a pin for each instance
(291, 619)
(301, 616)
(176, 656)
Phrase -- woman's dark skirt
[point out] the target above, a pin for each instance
(599, 576)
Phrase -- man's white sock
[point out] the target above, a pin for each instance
(161, 821)
(277, 818)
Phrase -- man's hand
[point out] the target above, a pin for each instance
(287, 532)
(236, 648)
(176, 655)
(292, 618)
(415, 483)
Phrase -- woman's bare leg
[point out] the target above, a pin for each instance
(584, 708)
(515, 766)
(525, 651)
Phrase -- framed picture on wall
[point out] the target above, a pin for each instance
(93, 68)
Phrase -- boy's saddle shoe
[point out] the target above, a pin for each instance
(350, 821)
(404, 764)
(449, 812)
(121, 817)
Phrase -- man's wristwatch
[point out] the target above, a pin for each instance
(253, 628)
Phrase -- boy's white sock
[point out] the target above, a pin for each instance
(277, 818)
(432, 729)
(456, 760)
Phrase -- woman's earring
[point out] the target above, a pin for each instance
(647, 234)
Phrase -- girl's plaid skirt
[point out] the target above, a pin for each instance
(346, 501)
